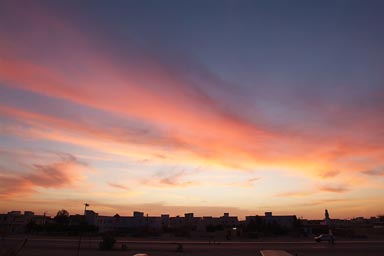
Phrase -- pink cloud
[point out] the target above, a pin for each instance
(185, 118)
(56, 175)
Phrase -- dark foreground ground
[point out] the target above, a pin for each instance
(39, 246)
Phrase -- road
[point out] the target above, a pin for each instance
(68, 246)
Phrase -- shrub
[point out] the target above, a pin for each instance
(107, 243)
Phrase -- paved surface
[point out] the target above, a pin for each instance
(69, 246)
(274, 253)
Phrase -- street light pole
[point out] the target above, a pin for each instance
(85, 207)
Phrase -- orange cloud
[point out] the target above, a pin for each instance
(374, 172)
(334, 189)
(330, 174)
(54, 175)
(121, 140)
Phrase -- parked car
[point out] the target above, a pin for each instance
(325, 237)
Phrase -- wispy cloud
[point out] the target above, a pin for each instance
(171, 179)
(244, 184)
(375, 172)
(295, 193)
(59, 174)
(119, 186)
(326, 201)
(330, 174)
(334, 189)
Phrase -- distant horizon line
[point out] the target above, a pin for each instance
(143, 214)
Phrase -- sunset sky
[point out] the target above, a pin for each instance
(192, 106)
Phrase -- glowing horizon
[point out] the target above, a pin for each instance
(188, 106)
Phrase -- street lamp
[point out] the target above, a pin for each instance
(85, 207)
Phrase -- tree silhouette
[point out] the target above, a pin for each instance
(62, 217)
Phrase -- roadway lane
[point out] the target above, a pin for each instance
(63, 246)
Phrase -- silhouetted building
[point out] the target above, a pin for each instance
(285, 221)
(15, 222)
(91, 217)
(76, 220)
